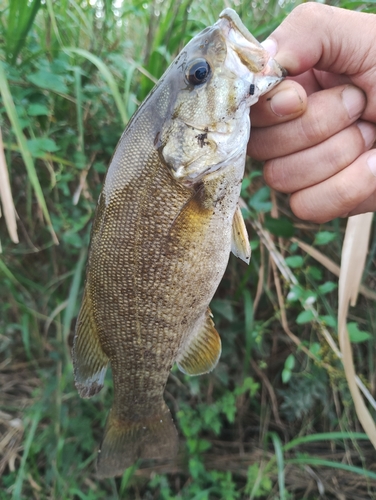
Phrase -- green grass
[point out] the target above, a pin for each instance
(276, 417)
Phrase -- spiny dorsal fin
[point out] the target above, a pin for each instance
(89, 360)
(203, 352)
(240, 241)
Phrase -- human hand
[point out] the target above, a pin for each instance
(318, 147)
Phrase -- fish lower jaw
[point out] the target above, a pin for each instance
(189, 178)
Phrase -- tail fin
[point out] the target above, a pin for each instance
(125, 441)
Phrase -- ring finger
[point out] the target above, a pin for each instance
(311, 166)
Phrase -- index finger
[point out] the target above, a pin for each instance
(283, 103)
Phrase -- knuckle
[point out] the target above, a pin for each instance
(315, 129)
(309, 10)
(337, 159)
(275, 176)
(345, 195)
(298, 208)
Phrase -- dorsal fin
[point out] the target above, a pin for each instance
(240, 242)
(89, 360)
(203, 352)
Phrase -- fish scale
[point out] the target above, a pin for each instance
(165, 223)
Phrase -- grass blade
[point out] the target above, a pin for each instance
(21, 471)
(73, 293)
(107, 75)
(20, 19)
(280, 464)
(324, 436)
(25, 153)
(248, 312)
(53, 21)
(307, 460)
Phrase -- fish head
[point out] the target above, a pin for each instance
(211, 85)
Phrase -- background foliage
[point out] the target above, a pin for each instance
(275, 419)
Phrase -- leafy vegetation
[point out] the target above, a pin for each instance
(275, 419)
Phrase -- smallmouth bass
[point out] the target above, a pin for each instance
(166, 221)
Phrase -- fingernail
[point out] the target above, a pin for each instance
(271, 46)
(371, 162)
(368, 132)
(354, 101)
(286, 102)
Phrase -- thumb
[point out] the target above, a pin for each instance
(329, 39)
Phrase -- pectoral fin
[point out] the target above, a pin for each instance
(240, 241)
(192, 217)
(89, 360)
(203, 352)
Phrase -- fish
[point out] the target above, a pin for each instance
(166, 221)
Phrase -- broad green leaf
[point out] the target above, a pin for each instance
(49, 81)
(280, 227)
(327, 287)
(37, 110)
(309, 297)
(287, 370)
(314, 272)
(356, 336)
(329, 320)
(258, 485)
(41, 145)
(290, 362)
(295, 293)
(254, 174)
(324, 237)
(246, 183)
(294, 261)
(260, 201)
(304, 317)
(315, 349)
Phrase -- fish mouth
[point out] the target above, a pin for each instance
(246, 57)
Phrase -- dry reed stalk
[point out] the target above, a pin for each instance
(6, 196)
(354, 252)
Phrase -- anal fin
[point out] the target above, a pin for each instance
(89, 360)
(240, 242)
(203, 352)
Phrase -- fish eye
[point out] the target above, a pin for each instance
(197, 72)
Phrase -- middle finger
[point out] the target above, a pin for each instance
(312, 166)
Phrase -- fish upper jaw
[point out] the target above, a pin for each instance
(270, 76)
(246, 57)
